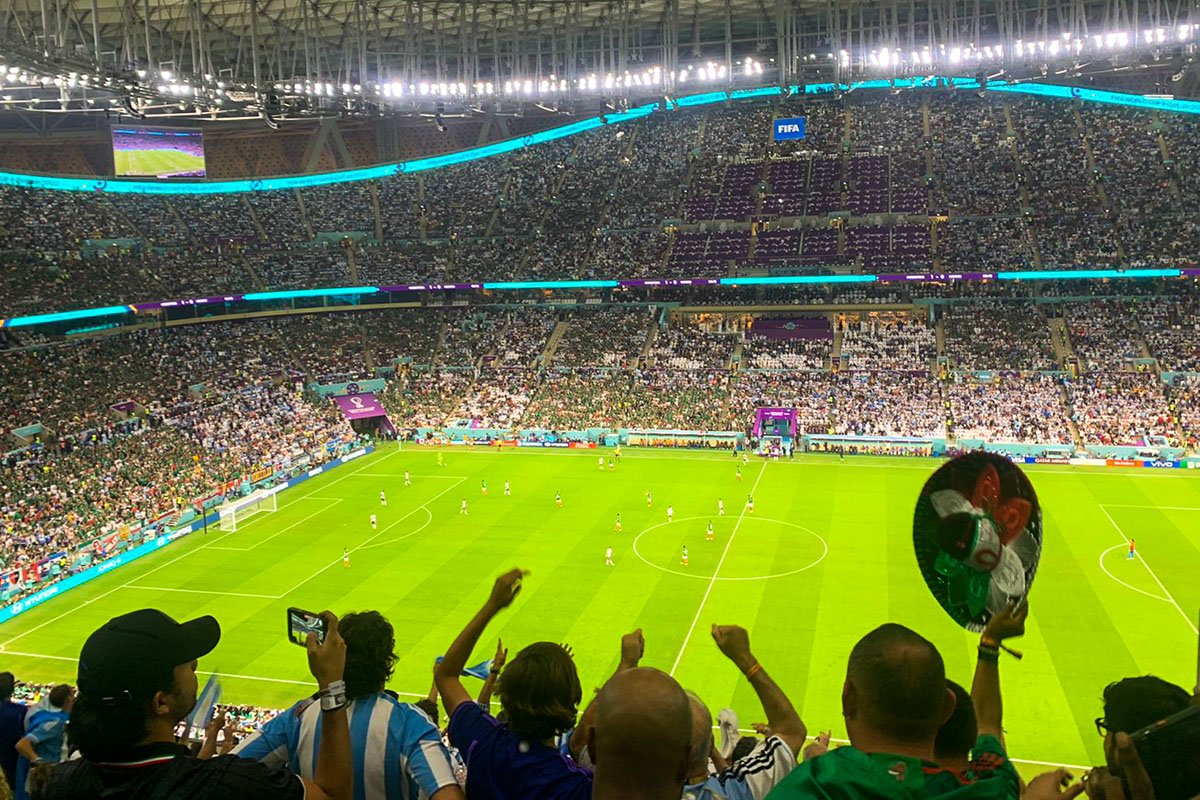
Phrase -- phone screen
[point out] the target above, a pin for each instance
(1168, 752)
(301, 623)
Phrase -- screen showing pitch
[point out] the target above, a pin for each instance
(158, 152)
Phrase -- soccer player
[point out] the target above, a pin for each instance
(618, 523)
(558, 499)
(750, 503)
(684, 559)
(649, 499)
(602, 463)
(739, 472)
(720, 507)
(1132, 549)
(407, 478)
(463, 508)
(670, 512)
(745, 458)
(372, 522)
(611, 465)
(507, 489)
(608, 559)
(617, 452)
(483, 488)
(709, 537)
(383, 499)
(441, 463)
(346, 557)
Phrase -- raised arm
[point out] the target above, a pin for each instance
(633, 647)
(334, 777)
(1007, 623)
(782, 717)
(489, 685)
(446, 675)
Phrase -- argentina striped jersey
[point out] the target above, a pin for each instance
(396, 750)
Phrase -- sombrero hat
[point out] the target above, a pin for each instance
(977, 533)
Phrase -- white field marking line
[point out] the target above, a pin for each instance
(1157, 508)
(1123, 583)
(373, 538)
(1140, 558)
(205, 672)
(72, 610)
(203, 591)
(428, 522)
(321, 510)
(930, 464)
(713, 581)
(401, 475)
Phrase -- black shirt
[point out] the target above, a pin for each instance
(12, 730)
(166, 772)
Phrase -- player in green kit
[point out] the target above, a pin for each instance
(709, 537)
(618, 522)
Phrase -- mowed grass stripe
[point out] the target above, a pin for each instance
(1086, 630)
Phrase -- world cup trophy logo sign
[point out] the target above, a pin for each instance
(977, 533)
(357, 402)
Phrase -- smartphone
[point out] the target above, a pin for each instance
(301, 623)
(1168, 750)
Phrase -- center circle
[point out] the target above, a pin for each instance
(666, 552)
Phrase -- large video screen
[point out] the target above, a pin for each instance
(158, 152)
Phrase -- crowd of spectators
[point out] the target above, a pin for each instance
(1105, 335)
(874, 343)
(1010, 408)
(997, 335)
(608, 337)
(1121, 409)
(601, 204)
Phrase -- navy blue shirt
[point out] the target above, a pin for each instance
(12, 729)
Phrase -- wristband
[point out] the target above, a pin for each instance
(989, 655)
(987, 641)
(750, 673)
(333, 696)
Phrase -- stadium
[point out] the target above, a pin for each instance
(695, 314)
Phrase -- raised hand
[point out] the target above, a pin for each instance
(501, 656)
(633, 647)
(506, 589)
(1008, 622)
(734, 642)
(1054, 785)
(327, 660)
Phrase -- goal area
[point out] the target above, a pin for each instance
(237, 512)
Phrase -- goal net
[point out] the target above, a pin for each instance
(237, 512)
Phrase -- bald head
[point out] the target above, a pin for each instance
(896, 686)
(642, 736)
(702, 736)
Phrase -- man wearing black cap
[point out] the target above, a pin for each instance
(137, 682)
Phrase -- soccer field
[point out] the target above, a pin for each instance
(156, 162)
(826, 556)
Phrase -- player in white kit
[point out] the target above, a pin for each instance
(608, 559)
(407, 478)
(372, 522)
(720, 507)
(463, 508)
(383, 499)
(670, 512)
(507, 489)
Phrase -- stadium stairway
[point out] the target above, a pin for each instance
(1165, 151)
(651, 338)
(254, 220)
(308, 229)
(547, 356)
(1064, 351)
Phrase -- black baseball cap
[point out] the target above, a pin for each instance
(134, 655)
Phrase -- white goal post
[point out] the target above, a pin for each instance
(236, 512)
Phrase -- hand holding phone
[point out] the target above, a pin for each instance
(301, 623)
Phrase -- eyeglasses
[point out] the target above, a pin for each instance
(1101, 726)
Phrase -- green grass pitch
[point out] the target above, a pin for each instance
(826, 556)
(156, 162)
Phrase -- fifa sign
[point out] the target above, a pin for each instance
(788, 129)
